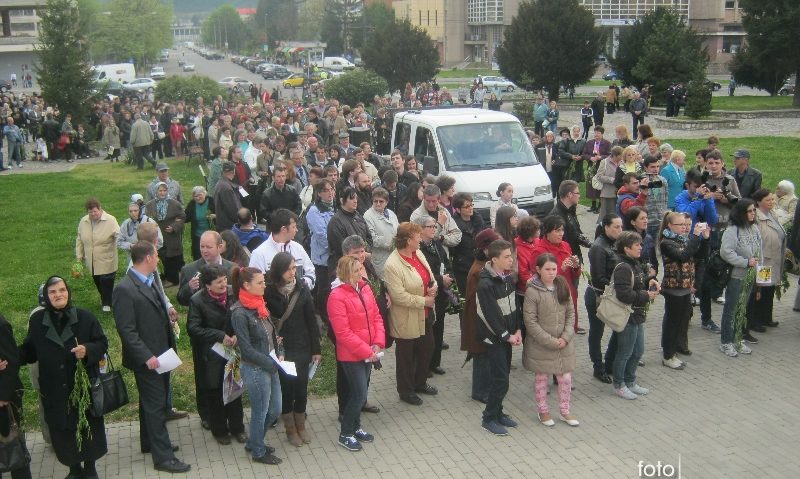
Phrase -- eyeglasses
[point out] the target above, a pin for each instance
(430, 226)
(467, 206)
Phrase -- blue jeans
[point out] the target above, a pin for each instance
(630, 347)
(357, 374)
(264, 388)
(732, 293)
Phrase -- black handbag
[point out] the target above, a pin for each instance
(718, 271)
(13, 450)
(108, 392)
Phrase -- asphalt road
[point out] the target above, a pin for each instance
(219, 69)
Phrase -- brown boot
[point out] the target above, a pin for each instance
(291, 430)
(300, 422)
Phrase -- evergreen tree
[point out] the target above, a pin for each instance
(63, 68)
(401, 53)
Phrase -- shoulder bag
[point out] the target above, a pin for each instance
(13, 450)
(109, 392)
(288, 312)
(596, 183)
(613, 312)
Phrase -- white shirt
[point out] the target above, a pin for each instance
(262, 256)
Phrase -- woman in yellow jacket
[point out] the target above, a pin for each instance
(96, 247)
(412, 290)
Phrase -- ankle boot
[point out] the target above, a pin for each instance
(291, 430)
(300, 422)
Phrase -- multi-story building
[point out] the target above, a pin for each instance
(720, 24)
(20, 24)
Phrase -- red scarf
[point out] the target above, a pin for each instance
(221, 298)
(251, 301)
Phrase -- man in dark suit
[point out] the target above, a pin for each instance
(211, 253)
(547, 153)
(748, 179)
(145, 332)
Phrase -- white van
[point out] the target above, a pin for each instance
(334, 63)
(480, 149)
(119, 72)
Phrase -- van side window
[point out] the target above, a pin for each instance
(402, 135)
(423, 143)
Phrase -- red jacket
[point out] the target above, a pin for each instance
(176, 131)
(356, 322)
(561, 251)
(627, 200)
(526, 262)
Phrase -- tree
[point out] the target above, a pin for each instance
(177, 88)
(332, 28)
(146, 31)
(374, 17)
(280, 18)
(773, 27)
(401, 53)
(309, 23)
(659, 50)
(698, 100)
(758, 69)
(550, 43)
(224, 25)
(62, 68)
(356, 86)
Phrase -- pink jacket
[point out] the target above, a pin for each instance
(356, 322)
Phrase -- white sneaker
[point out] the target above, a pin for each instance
(106, 309)
(636, 389)
(743, 348)
(625, 393)
(728, 349)
(673, 363)
(720, 300)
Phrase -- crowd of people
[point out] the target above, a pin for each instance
(299, 234)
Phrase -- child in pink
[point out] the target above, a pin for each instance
(177, 134)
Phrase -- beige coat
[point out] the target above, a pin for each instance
(407, 314)
(773, 244)
(546, 320)
(96, 244)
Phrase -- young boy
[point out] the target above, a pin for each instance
(498, 327)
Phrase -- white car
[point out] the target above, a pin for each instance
(140, 85)
(496, 82)
(157, 73)
(188, 67)
(230, 82)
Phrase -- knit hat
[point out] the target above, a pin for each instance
(485, 238)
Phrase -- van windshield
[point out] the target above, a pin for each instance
(485, 146)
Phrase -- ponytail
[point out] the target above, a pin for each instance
(240, 276)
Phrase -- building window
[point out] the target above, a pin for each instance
(730, 4)
(731, 44)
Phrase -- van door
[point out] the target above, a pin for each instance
(425, 150)
(402, 137)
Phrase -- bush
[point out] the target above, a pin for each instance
(177, 88)
(698, 101)
(356, 86)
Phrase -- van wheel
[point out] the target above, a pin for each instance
(510, 89)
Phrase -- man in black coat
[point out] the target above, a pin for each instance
(279, 195)
(227, 200)
(51, 132)
(568, 196)
(547, 153)
(346, 222)
(145, 332)
(747, 178)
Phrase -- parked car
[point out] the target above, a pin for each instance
(188, 67)
(5, 86)
(140, 85)
(612, 75)
(275, 72)
(497, 82)
(157, 73)
(294, 80)
(109, 89)
(230, 82)
(786, 89)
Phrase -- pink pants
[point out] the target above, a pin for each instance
(564, 392)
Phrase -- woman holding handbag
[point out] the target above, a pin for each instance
(11, 391)
(207, 324)
(631, 286)
(60, 335)
(292, 308)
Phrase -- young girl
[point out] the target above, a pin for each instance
(548, 348)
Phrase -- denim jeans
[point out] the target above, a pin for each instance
(732, 293)
(596, 329)
(498, 356)
(630, 347)
(264, 388)
(357, 373)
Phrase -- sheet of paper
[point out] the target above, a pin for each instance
(243, 192)
(287, 366)
(220, 349)
(312, 369)
(168, 361)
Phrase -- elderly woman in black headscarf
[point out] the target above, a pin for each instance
(171, 219)
(60, 335)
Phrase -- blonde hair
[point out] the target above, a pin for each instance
(677, 154)
(347, 267)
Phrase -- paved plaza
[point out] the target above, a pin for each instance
(719, 418)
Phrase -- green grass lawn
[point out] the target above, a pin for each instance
(40, 214)
(747, 103)
(775, 157)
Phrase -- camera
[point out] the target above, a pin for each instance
(651, 184)
(726, 192)
(584, 241)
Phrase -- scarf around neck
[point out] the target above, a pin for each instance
(221, 298)
(256, 303)
(288, 288)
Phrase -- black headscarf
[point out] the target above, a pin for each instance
(60, 317)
